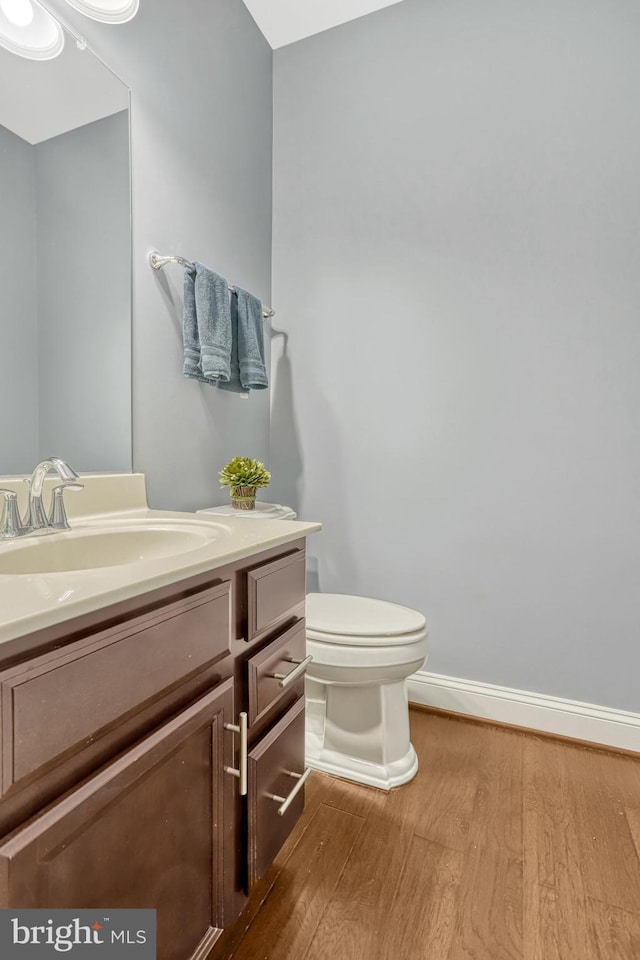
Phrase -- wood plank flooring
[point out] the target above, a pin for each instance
(506, 846)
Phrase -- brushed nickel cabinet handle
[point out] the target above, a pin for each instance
(285, 679)
(285, 802)
(240, 773)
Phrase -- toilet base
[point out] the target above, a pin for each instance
(381, 775)
(360, 732)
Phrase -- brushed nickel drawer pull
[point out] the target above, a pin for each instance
(241, 774)
(287, 801)
(286, 678)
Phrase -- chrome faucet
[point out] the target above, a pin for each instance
(36, 518)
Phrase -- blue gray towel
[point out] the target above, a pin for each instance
(233, 384)
(248, 371)
(206, 327)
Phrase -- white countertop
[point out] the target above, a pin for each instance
(30, 602)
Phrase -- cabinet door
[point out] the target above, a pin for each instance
(276, 765)
(145, 831)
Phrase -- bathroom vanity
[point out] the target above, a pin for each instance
(134, 719)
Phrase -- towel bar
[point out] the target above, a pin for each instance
(157, 261)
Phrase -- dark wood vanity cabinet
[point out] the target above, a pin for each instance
(121, 750)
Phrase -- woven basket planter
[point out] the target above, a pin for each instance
(243, 498)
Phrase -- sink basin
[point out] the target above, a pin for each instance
(90, 549)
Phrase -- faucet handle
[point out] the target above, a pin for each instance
(57, 513)
(11, 525)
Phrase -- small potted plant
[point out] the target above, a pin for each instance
(244, 475)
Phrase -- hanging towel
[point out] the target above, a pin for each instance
(233, 384)
(190, 340)
(253, 373)
(207, 336)
(249, 335)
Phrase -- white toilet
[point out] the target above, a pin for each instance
(357, 710)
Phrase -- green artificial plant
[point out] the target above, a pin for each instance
(244, 472)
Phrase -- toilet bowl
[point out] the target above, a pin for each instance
(356, 695)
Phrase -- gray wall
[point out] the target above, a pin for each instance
(456, 222)
(84, 294)
(201, 114)
(18, 351)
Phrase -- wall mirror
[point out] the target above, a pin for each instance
(65, 263)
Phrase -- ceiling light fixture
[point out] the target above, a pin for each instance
(107, 11)
(29, 30)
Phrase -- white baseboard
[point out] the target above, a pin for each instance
(566, 718)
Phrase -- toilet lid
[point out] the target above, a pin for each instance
(263, 511)
(336, 613)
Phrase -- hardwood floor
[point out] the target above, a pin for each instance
(506, 846)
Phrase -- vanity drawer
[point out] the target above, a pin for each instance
(285, 657)
(276, 766)
(274, 590)
(54, 705)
